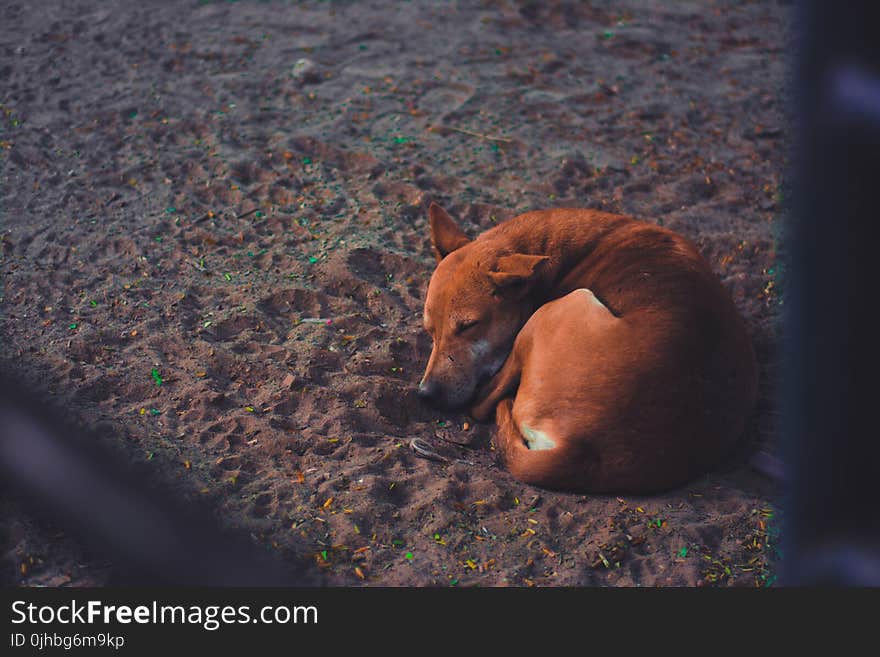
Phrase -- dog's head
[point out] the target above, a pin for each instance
(476, 304)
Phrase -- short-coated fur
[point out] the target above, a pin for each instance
(610, 337)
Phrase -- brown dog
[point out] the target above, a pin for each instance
(615, 358)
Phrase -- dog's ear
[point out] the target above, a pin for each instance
(517, 271)
(446, 236)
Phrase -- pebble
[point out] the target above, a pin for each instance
(305, 71)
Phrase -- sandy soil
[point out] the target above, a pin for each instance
(215, 249)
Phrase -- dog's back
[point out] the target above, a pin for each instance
(664, 390)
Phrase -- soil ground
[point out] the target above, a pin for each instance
(215, 249)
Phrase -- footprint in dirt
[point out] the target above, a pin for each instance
(100, 389)
(248, 171)
(295, 301)
(404, 277)
(348, 161)
(263, 505)
(230, 328)
(229, 434)
(233, 470)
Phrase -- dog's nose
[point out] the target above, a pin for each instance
(427, 391)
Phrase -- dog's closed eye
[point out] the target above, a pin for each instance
(465, 324)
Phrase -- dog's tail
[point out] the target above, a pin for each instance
(553, 468)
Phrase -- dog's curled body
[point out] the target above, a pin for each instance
(631, 369)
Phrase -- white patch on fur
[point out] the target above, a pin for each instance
(536, 439)
(593, 297)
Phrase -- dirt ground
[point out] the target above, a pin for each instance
(215, 249)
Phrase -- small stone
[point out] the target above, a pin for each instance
(287, 383)
(305, 71)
